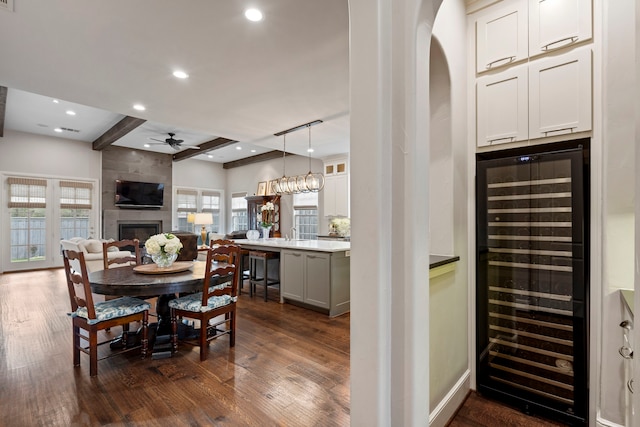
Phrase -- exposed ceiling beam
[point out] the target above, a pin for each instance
(204, 147)
(269, 155)
(3, 107)
(118, 130)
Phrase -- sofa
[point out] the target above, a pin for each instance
(92, 250)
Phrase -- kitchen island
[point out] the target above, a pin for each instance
(313, 273)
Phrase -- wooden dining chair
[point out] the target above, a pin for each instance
(243, 262)
(93, 317)
(134, 259)
(218, 298)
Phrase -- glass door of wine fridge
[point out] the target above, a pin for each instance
(532, 286)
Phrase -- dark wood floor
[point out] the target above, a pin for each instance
(290, 367)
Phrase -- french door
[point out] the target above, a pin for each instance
(42, 211)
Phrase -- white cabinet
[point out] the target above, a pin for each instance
(502, 107)
(554, 24)
(336, 188)
(306, 277)
(547, 97)
(560, 94)
(318, 280)
(292, 275)
(501, 36)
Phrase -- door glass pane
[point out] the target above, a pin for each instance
(28, 234)
(74, 223)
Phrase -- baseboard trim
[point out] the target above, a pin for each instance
(446, 409)
(601, 422)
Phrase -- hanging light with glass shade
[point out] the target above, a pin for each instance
(300, 183)
(281, 186)
(314, 182)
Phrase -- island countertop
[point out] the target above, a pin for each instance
(304, 245)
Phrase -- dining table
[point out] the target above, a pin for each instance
(148, 281)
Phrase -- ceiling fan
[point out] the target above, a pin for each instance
(174, 143)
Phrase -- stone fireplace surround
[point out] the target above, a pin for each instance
(134, 165)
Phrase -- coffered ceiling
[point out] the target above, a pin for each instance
(247, 80)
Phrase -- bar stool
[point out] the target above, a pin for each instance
(263, 258)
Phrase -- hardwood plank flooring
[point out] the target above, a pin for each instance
(290, 367)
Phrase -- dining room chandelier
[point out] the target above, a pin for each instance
(294, 184)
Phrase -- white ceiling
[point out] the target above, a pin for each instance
(246, 81)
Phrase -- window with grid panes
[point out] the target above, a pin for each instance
(239, 214)
(210, 201)
(305, 215)
(75, 209)
(187, 203)
(27, 211)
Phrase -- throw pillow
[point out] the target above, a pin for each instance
(93, 246)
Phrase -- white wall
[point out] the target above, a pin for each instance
(449, 194)
(201, 174)
(618, 163)
(38, 154)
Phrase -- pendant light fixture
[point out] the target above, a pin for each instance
(301, 183)
(314, 182)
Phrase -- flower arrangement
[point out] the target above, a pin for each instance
(267, 214)
(163, 243)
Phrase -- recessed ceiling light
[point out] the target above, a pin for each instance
(180, 74)
(238, 148)
(71, 112)
(210, 156)
(146, 145)
(253, 151)
(253, 15)
(57, 130)
(55, 101)
(309, 150)
(139, 107)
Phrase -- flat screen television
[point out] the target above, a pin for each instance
(133, 194)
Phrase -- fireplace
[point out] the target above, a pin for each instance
(139, 230)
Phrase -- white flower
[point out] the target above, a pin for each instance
(267, 207)
(152, 246)
(163, 243)
(173, 246)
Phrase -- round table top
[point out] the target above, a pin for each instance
(125, 281)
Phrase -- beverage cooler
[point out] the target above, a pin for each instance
(532, 279)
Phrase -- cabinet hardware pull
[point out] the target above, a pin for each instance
(559, 130)
(506, 58)
(626, 352)
(311, 256)
(510, 138)
(571, 39)
(630, 385)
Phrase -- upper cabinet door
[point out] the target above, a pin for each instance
(554, 24)
(560, 94)
(501, 36)
(502, 108)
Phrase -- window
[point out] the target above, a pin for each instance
(75, 209)
(28, 220)
(211, 203)
(189, 201)
(239, 218)
(305, 215)
(186, 203)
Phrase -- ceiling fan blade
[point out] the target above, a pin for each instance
(159, 140)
